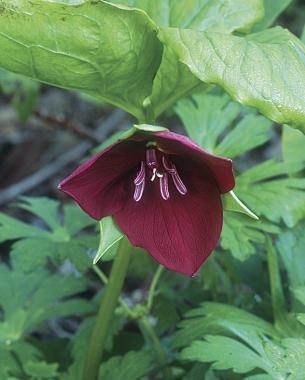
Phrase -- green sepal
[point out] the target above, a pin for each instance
(231, 202)
(146, 128)
(110, 234)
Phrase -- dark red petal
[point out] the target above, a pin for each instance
(98, 185)
(181, 232)
(221, 168)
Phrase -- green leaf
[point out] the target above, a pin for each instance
(222, 15)
(255, 131)
(288, 359)
(224, 353)
(26, 300)
(264, 70)
(104, 50)
(259, 377)
(173, 79)
(206, 117)
(133, 366)
(293, 142)
(273, 8)
(241, 234)
(110, 235)
(45, 208)
(231, 202)
(291, 245)
(141, 128)
(277, 199)
(216, 318)
(299, 293)
(13, 356)
(41, 370)
(60, 240)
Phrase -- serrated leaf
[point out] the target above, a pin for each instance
(281, 199)
(133, 366)
(264, 70)
(110, 235)
(207, 117)
(255, 131)
(240, 234)
(216, 318)
(58, 241)
(224, 353)
(41, 370)
(26, 300)
(95, 47)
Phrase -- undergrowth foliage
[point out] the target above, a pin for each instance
(226, 78)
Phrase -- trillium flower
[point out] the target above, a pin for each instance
(163, 191)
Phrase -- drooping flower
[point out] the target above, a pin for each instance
(163, 191)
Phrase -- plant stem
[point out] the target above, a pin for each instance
(104, 279)
(106, 311)
(152, 288)
(155, 342)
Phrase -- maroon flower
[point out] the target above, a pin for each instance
(163, 192)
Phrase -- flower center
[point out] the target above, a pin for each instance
(159, 169)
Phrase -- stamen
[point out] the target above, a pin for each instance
(140, 175)
(151, 158)
(138, 192)
(171, 169)
(164, 186)
(180, 186)
(140, 183)
(168, 166)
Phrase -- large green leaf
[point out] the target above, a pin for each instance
(104, 50)
(223, 15)
(173, 79)
(265, 70)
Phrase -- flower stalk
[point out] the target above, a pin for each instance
(106, 311)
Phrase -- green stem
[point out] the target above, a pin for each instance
(152, 288)
(155, 342)
(106, 311)
(127, 310)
